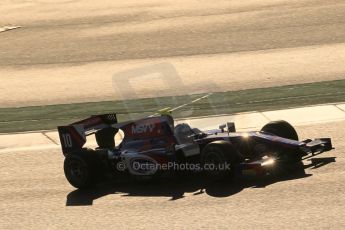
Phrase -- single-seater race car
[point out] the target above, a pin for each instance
(154, 145)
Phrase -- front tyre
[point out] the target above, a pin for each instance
(281, 129)
(288, 161)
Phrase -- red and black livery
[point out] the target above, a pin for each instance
(155, 142)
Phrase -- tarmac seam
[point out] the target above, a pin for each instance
(49, 138)
(340, 108)
(267, 118)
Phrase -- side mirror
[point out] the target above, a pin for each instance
(222, 127)
(231, 127)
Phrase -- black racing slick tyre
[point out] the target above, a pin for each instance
(281, 129)
(82, 170)
(284, 129)
(219, 160)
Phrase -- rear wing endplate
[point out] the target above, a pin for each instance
(73, 136)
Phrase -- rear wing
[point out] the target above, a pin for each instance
(73, 136)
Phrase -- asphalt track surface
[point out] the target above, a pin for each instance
(35, 195)
(62, 47)
(163, 29)
(68, 51)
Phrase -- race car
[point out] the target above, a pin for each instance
(153, 146)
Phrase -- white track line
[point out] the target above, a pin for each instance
(198, 99)
(189, 103)
(7, 28)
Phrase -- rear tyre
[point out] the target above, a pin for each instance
(82, 170)
(219, 160)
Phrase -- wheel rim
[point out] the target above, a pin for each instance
(212, 158)
(77, 171)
